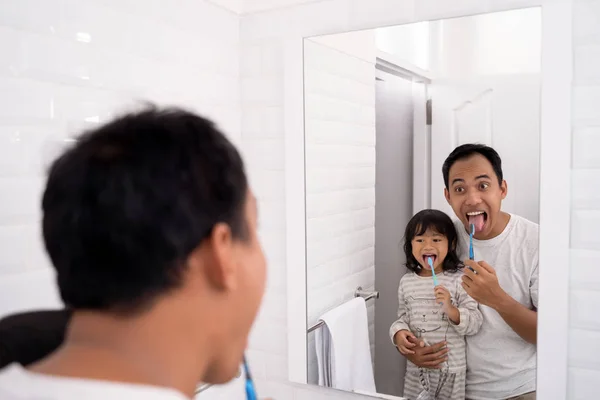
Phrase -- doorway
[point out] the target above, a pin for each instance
(399, 118)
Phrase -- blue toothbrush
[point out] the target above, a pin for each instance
(471, 253)
(250, 392)
(435, 280)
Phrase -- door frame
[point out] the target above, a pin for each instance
(388, 70)
(387, 63)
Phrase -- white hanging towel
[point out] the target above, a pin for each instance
(343, 348)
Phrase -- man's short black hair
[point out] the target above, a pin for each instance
(127, 204)
(466, 151)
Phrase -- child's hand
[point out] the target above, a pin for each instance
(402, 343)
(442, 296)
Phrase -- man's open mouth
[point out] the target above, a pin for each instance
(477, 218)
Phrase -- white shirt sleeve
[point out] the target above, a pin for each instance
(534, 281)
(470, 316)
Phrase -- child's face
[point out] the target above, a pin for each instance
(430, 244)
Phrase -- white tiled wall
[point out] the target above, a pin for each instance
(584, 341)
(252, 6)
(68, 63)
(340, 175)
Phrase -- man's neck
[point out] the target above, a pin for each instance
(499, 226)
(134, 350)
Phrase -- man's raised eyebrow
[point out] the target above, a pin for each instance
(460, 180)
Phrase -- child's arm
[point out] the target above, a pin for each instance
(443, 297)
(401, 324)
(470, 318)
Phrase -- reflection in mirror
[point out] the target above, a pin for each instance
(387, 112)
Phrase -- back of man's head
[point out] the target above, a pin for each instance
(152, 209)
(126, 205)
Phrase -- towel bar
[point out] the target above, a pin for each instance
(358, 293)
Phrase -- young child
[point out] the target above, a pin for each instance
(434, 314)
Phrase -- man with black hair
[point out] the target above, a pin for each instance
(501, 358)
(152, 229)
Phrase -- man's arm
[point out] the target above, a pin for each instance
(481, 283)
(521, 319)
(427, 356)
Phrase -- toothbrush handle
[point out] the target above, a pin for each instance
(250, 393)
(435, 284)
(471, 252)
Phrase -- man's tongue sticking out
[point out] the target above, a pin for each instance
(477, 220)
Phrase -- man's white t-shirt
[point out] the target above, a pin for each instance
(500, 364)
(16, 383)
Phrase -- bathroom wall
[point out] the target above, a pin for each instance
(487, 45)
(584, 367)
(69, 64)
(410, 43)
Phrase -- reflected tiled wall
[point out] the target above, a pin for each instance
(340, 180)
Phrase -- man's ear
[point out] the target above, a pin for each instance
(504, 189)
(216, 258)
(447, 195)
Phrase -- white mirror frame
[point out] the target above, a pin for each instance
(555, 160)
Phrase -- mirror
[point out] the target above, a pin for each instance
(384, 110)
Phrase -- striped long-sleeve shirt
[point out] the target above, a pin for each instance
(419, 313)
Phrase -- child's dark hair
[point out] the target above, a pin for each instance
(439, 222)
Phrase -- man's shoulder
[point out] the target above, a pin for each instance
(526, 227)
(13, 383)
(11, 396)
(17, 382)
(525, 237)
(527, 223)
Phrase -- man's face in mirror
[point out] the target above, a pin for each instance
(476, 195)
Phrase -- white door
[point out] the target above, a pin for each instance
(500, 111)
